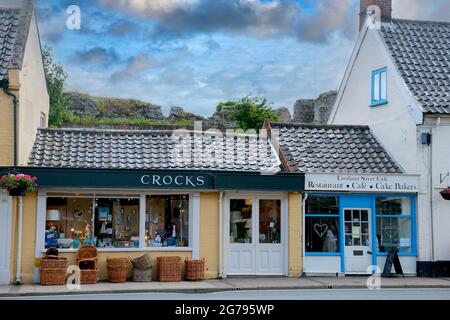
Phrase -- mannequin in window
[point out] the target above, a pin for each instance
(329, 243)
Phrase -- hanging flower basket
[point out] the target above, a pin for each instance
(18, 184)
(445, 193)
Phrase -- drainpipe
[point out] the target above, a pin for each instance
(220, 233)
(430, 174)
(15, 101)
(19, 242)
(304, 198)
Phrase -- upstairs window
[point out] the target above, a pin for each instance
(379, 87)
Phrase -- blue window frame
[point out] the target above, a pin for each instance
(379, 95)
(322, 226)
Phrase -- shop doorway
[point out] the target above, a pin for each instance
(5, 237)
(357, 237)
(255, 236)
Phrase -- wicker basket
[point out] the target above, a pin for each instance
(59, 263)
(117, 269)
(195, 269)
(88, 276)
(169, 269)
(143, 262)
(140, 275)
(52, 277)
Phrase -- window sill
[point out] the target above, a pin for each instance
(156, 249)
(322, 254)
(378, 103)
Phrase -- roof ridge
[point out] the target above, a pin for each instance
(419, 21)
(312, 125)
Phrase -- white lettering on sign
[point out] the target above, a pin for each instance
(167, 180)
(368, 183)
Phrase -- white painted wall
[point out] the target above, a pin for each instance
(5, 237)
(395, 126)
(321, 264)
(33, 96)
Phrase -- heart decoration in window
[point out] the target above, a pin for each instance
(320, 229)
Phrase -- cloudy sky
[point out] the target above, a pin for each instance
(196, 53)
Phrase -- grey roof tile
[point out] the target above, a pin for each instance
(333, 149)
(14, 27)
(421, 52)
(90, 148)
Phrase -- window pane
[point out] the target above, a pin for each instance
(269, 221)
(241, 220)
(383, 89)
(394, 233)
(116, 223)
(167, 221)
(69, 222)
(376, 87)
(322, 205)
(322, 234)
(393, 205)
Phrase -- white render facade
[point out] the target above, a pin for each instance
(399, 124)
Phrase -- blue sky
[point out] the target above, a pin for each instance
(196, 53)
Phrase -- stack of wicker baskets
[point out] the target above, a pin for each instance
(142, 268)
(87, 262)
(195, 269)
(53, 268)
(117, 269)
(169, 269)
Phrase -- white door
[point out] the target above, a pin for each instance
(5, 237)
(358, 255)
(254, 236)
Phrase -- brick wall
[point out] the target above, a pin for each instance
(384, 5)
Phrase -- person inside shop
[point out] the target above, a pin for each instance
(330, 242)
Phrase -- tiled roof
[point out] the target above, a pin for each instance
(157, 150)
(421, 51)
(14, 27)
(333, 149)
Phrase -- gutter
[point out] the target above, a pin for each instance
(15, 102)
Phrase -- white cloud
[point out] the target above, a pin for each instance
(435, 10)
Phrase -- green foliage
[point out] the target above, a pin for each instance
(132, 121)
(249, 112)
(56, 81)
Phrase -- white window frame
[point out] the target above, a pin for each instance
(194, 219)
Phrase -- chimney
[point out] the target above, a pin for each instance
(385, 8)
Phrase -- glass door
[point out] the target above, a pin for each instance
(358, 255)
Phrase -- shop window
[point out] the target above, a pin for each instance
(393, 205)
(103, 222)
(269, 221)
(241, 220)
(394, 224)
(322, 224)
(322, 205)
(167, 221)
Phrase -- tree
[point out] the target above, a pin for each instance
(249, 112)
(56, 82)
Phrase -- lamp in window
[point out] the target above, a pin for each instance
(445, 193)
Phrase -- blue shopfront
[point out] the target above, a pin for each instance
(349, 231)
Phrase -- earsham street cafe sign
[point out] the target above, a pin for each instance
(362, 183)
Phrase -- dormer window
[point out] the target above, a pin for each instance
(379, 87)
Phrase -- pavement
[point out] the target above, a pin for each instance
(228, 284)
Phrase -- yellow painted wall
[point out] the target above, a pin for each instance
(28, 238)
(209, 233)
(6, 129)
(295, 235)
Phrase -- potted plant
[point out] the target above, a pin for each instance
(445, 193)
(18, 184)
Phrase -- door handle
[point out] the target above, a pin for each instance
(369, 252)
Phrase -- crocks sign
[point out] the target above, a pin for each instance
(366, 183)
(175, 180)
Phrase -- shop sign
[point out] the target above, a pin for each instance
(175, 180)
(362, 183)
